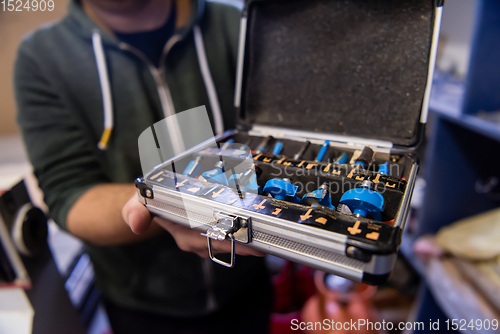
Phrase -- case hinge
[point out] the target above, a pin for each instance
(228, 227)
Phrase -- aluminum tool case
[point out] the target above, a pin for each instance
(357, 73)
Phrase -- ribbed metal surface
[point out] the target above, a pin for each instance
(181, 212)
(298, 247)
(270, 239)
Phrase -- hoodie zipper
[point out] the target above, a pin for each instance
(167, 106)
(163, 91)
(158, 73)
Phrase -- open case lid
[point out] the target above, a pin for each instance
(355, 68)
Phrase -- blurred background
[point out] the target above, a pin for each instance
(14, 25)
(459, 178)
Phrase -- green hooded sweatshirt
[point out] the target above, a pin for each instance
(60, 112)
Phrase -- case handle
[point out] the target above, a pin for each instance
(216, 260)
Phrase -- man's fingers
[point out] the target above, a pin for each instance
(175, 229)
(187, 239)
(136, 216)
(244, 250)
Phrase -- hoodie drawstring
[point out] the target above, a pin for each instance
(106, 89)
(107, 102)
(207, 78)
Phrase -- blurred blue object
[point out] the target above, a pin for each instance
(323, 150)
(277, 147)
(482, 91)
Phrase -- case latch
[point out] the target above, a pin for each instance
(232, 227)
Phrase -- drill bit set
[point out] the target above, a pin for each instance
(358, 185)
(356, 193)
(320, 170)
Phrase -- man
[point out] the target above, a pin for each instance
(86, 88)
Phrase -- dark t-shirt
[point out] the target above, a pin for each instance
(151, 43)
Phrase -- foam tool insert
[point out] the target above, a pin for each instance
(355, 68)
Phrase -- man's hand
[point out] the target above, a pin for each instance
(189, 240)
(97, 216)
(136, 215)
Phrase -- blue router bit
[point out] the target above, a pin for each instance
(215, 175)
(262, 148)
(226, 144)
(246, 181)
(320, 196)
(277, 147)
(364, 202)
(303, 150)
(365, 158)
(245, 146)
(193, 167)
(384, 168)
(323, 150)
(282, 189)
(341, 159)
(242, 150)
